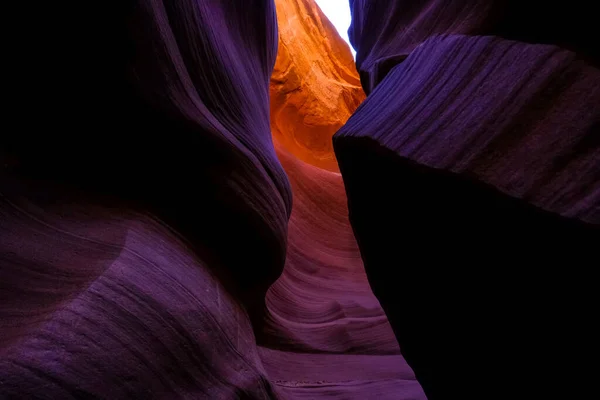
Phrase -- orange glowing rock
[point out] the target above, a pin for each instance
(314, 87)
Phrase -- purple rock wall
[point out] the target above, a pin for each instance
(471, 171)
(149, 247)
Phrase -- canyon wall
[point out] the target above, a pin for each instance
(139, 266)
(471, 172)
(325, 334)
(174, 223)
(314, 86)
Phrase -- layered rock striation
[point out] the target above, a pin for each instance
(314, 86)
(144, 210)
(139, 266)
(173, 223)
(471, 171)
(325, 334)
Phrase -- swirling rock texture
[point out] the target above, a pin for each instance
(326, 335)
(144, 211)
(149, 247)
(472, 173)
(314, 85)
(138, 267)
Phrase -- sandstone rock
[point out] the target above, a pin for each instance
(471, 171)
(314, 86)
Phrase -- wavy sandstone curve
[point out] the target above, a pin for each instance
(322, 319)
(314, 86)
(111, 303)
(123, 201)
(131, 288)
(150, 247)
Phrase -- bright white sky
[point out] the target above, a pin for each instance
(338, 12)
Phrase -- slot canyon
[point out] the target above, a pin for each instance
(213, 199)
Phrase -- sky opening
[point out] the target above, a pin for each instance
(338, 12)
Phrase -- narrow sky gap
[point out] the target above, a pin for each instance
(338, 12)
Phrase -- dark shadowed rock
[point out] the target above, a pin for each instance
(472, 174)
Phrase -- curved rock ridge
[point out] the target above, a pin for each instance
(497, 111)
(322, 302)
(323, 320)
(144, 210)
(314, 86)
(180, 112)
(137, 267)
(148, 243)
(109, 303)
(385, 32)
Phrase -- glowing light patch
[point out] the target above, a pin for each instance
(338, 12)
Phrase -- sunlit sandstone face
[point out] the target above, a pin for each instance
(314, 87)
